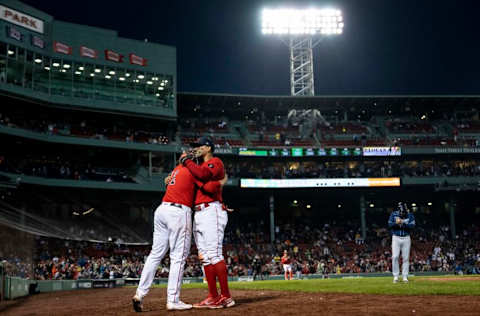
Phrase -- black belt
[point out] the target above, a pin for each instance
(175, 205)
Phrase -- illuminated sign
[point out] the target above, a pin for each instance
(297, 152)
(21, 19)
(319, 183)
(300, 152)
(381, 151)
(253, 152)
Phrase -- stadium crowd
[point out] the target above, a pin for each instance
(352, 169)
(325, 249)
(86, 129)
(61, 168)
(266, 134)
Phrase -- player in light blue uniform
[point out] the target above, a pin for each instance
(401, 222)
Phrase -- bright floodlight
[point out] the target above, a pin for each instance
(302, 30)
(302, 22)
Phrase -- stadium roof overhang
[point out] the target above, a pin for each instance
(6, 96)
(187, 101)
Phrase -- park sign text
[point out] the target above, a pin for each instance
(21, 19)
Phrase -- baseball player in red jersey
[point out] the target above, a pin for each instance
(287, 265)
(172, 230)
(210, 220)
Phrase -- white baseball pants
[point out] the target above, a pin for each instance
(208, 229)
(172, 230)
(400, 244)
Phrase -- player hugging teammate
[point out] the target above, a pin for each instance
(210, 220)
(198, 185)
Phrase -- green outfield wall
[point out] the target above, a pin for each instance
(17, 287)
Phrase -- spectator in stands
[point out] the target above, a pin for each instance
(325, 249)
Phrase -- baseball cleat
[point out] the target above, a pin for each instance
(395, 279)
(209, 302)
(405, 280)
(226, 301)
(179, 306)
(137, 304)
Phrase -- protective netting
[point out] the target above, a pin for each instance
(96, 227)
(73, 220)
(16, 252)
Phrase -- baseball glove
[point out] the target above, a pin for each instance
(189, 155)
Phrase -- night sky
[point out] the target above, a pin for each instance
(388, 46)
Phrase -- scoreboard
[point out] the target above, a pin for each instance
(320, 152)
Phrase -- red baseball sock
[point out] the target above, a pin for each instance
(221, 270)
(210, 275)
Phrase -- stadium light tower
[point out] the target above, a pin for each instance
(302, 30)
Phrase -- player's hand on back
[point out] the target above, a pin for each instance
(168, 179)
(224, 180)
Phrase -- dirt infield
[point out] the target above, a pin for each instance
(117, 302)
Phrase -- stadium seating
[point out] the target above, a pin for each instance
(323, 249)
(344, 128)
(468, 126)
(410, 127)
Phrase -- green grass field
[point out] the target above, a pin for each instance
(372, 285)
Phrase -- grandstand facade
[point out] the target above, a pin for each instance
(71, 93)
(82, 66)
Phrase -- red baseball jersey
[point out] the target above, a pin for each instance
(211, 170)
(285, 260)
(181, 188)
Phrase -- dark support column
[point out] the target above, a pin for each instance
(453, 206)
(150, 164)
(362, 217)
(272, 219)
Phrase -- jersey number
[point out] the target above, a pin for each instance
(174, 175)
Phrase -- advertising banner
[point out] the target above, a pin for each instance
(137, 60)
(62, 48)
(319, 183)
(14, 33)
(113, 56)
(38, 42)
(88, 52)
